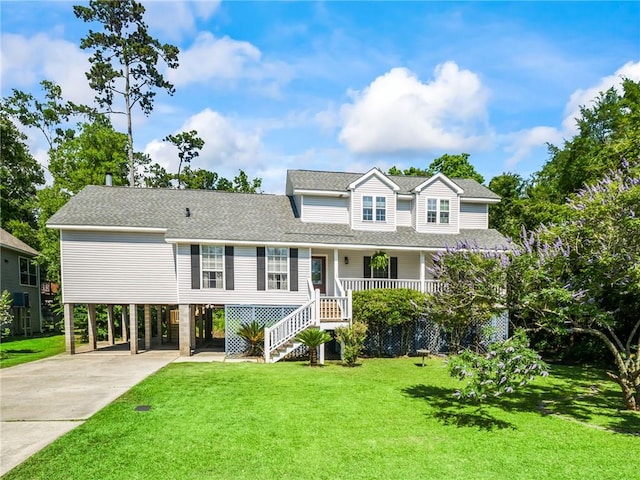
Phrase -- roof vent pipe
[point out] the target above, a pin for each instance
(108, 179)
(187, 213)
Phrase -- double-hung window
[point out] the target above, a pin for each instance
(368, 209)
(381, 209)
(212, 266)
(28, 272)
(444, 211)
(437, 211)
(277, 268)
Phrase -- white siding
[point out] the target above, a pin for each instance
(403, 213)
(108, 267)
(325, 209)
(439, 190)
(474, 215)
(374, 187)
(245, 282)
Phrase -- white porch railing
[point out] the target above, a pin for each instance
(335, 308)
(356, 284)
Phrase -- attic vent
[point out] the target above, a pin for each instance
(187, 212)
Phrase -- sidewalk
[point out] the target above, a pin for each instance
(42, 400)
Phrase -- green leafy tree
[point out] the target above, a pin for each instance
(504, 216)
(50, 116)
(188, 145)
(506, 367)
(454, 166)
(584, 274)
(313, 338)
(84, 159)
(125, 61)
(473, 291)
(20, 174)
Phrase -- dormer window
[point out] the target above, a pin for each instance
(368, 210)
(437, 210)
(381, 209)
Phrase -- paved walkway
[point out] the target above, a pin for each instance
(42, 400)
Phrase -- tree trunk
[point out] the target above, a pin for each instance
(313, 356)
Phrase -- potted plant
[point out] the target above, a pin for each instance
(379, 260)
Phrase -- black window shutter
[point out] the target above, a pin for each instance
(293, 269)
(394, 267)
(228, 268)
(261, 271)
(367, 267)
(195, 267)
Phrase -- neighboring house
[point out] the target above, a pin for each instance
(296, 256)
(20, 277)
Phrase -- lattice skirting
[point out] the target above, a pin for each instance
(238, 315)
(423, 334)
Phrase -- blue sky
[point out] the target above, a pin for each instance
(347, 86)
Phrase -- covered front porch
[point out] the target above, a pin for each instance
(334, 272)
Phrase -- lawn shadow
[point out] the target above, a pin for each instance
(451, 412)
(24, 350)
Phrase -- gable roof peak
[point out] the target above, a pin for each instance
(375, 172)
(442, 177)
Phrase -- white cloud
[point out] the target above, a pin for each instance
(521, 144)
(173, 19)
(26, 61)
(586, 97)
(399, 113)
(227, 148)
(215, 58)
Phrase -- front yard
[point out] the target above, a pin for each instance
(387, 419)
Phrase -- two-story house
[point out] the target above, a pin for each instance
(289, 261)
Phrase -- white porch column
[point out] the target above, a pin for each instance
(422, 285)
(69, 333)
(185, 322)
(110, 336)
(336, 270)
(321, 354)
(91, 320)
(133, 328)
(147, 327)
(123, 321)
(159, 323)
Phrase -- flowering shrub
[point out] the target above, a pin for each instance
(507, 366)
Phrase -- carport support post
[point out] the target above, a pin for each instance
(123, 320)
(133, 328)
(69, 330)
(185, 322)
(111, 338)
(91, 313)
(159, 323)
(147, 327)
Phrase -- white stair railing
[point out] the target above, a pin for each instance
(287, 328)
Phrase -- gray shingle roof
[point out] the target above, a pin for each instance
(225, 216)
(9, 241)
(339, 181)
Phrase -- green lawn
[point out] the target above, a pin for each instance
(387, 419)
(14, 351)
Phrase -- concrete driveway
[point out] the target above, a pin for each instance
(42, 400)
